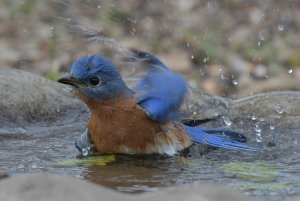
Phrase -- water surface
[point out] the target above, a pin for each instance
(271, 176)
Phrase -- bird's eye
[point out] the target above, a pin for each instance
(94, 81)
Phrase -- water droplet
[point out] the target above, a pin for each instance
(226, 104)
(194, 113)
(273, 134)
(79, 176)
(258, 133)
(253, 117)
(84, 152)
(226, 120)
(223, 77)
(34, 166)
(280, 27)
(279, 109)
(21, 166)
(234, 82)
(215, 114)
(261, 36)
(290, 71)
(133, 31)
(258, 137)
(257, 129)
(202, 73)
(192, 57)
(206, 59)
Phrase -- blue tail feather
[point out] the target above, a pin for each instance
(210, 137)
(230, 134)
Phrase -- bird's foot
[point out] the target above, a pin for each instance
(84, 144)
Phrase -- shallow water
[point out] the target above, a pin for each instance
(271, 176)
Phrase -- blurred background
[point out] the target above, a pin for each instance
(232, 48)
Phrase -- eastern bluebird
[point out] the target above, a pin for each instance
(141, 120)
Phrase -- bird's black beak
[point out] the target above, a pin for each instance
(70, 80)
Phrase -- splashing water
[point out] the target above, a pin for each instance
(273, 134)
(258, 133)
(226, 120)
(279, 109)
(280, 27)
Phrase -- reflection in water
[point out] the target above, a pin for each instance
(131, 174)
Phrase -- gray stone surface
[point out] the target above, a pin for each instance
(279, 107)
(2, 175)
(46, 187)
(26, 98)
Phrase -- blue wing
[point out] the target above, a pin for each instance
(226, 139)
(160, 92)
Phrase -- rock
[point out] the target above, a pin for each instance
(200, 105)
(294, 199)
(3, 175)
(44, 187)
(280, 107)
(26, 98)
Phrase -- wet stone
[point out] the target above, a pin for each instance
(269, 109)
(3, 175)
(28, 99)
(44, 187)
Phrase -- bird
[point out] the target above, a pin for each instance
(144, 119)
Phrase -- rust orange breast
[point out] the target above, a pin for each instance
(121, 126)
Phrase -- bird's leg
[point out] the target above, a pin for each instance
(84, 144)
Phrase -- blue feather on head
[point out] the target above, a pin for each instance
(99, 78)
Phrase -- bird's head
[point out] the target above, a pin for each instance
(96, 77)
